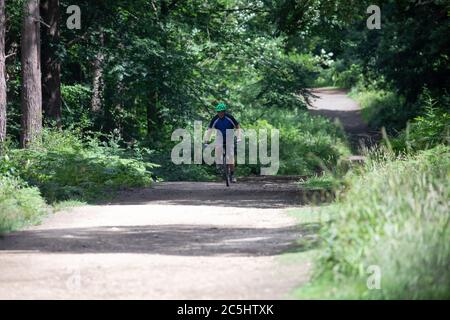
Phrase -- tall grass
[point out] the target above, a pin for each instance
(430, 128)
(396, 216)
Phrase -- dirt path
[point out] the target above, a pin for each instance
(177, 240)
(335, 104)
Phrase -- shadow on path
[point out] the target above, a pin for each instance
(180, 240)
(256, 192)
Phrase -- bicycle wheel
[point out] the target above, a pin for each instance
(227, 175)
(226, 170)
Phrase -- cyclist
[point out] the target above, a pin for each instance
(223, 121)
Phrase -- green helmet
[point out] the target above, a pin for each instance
(221, 107)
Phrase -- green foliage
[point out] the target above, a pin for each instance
(320, 182)
(308, 144)
(169, 171)
(395, 216)
(413, 50)
(76, 106)
(20, 204)
(164, 64)
(64, 167)
(428, 130)
(430, 115)
(383, 109)
(320, 69)
(339, 74)
(348, 78)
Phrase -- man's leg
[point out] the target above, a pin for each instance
(219, 156)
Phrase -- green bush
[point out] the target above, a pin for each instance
(383, 109)
(76, 105)
(339, 74)
(320, 69)
(64, 167)
(169, 171)
(308, 144)
(348, 78)
(20, 204)
(395, 216)
(429, 129)
(323, 182)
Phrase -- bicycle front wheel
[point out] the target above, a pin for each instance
(227, 175)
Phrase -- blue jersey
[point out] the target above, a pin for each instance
(222, 124)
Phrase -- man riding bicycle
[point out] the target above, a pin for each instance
(222, 122)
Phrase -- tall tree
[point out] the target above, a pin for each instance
(51, 65)
(97, 79)
(31, 74)
(2, 72)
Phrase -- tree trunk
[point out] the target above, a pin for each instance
(152, 115)
(31, 74)
(51, 66)
(97, 81)
(2, 73)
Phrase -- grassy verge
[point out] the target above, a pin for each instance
(20, 205)
(326, 182)
(395, 217)
(67, 205)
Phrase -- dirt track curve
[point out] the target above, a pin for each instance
(336, 105)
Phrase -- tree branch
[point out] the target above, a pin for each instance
(10, 55)
(42, 22)
(73, 41)
(243, 9)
